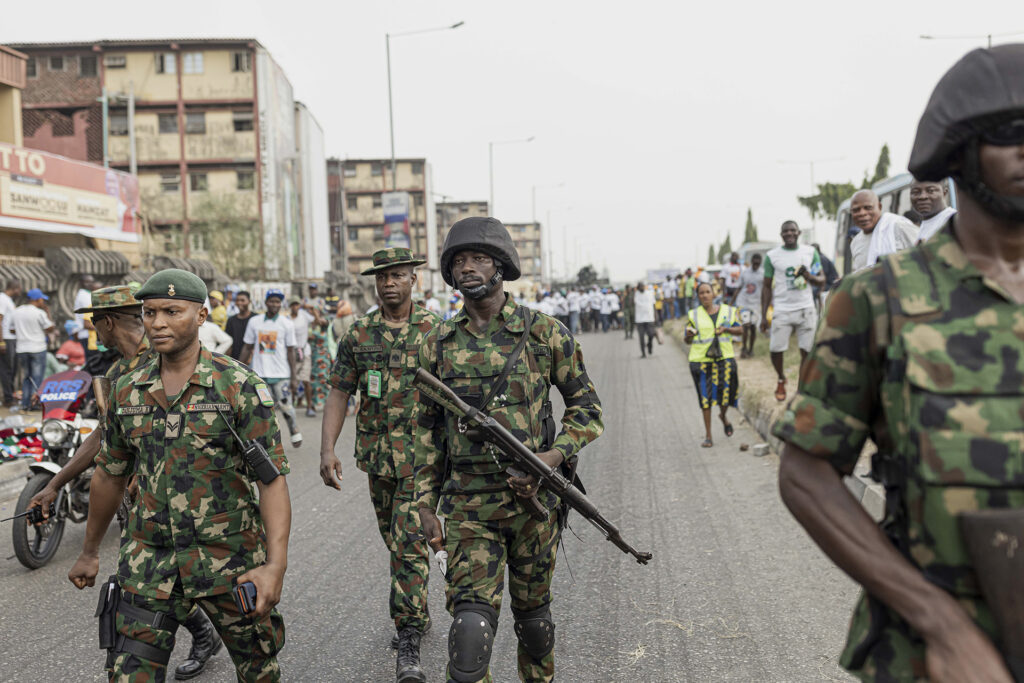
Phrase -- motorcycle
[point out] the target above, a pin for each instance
(64, 426)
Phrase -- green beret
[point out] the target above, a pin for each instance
(173, 284)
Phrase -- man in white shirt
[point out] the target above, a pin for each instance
(431, 303)
(573, 301)
(747, 298)
(643, 303)
(881, 232)
(212, 338)
(83, 299)
(668, 298)
(302, 318)
(731, 275)
(8, 351)
(32, 324)
(929, 200)
(789, 273)
(269, 347)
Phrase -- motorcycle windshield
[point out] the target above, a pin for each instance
(60, 392)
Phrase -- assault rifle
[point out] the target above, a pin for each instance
(525, 460)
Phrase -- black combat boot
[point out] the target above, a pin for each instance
(205, 644)
(394, 638)
(407, 665)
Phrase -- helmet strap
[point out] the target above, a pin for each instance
(999, 205)
(480, 291)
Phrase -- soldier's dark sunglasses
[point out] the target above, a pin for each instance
(1009, 134)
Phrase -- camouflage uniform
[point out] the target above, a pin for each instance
(922, 354)
(485, 525)
(384, 448)
(196, 522)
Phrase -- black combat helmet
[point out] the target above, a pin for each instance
(981, 91)
(483, 234)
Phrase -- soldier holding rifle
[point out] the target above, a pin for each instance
(923, 354)
(501, 358)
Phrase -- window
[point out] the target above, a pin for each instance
(378, 234)
(118, 123)
(115, 61)
(30, 68)
(377, 203)
(353, 202)
(353, 235)
(87, 66)
(198, 182)
(245, 180)
(168, 123)
(349, 171)
(241, 61)
(192, 63)
(197, 237)
(417, 168)
(242, 121)
(166, 63)
(375, 169)
(170, 182)
(195, 122)
(56, 63)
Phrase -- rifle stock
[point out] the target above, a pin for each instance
(526, 459)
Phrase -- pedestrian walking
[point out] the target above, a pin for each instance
(628, 311)
(487, 529)
(302, 317)
(747, 299)
(270, 348)
(84, 330)
(921, 354)
(709, 331)
(375, 359)
(32, 328)
(789, 273)
(8, 342)
(237, 323)
(643, 302)
(320, 361)
(218, 311)
(730, 276)
(689, 291)
(573, 298)
(196, 528)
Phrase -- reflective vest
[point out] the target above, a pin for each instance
(701, 321)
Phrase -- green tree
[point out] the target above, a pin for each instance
(711, 254)
(227, 232)
(830, 195)
(881, 168)
(750, 232)
(725, 249)
(586, 276)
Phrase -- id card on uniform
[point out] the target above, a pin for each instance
(373, 383)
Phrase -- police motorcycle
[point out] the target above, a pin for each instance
(64, 399)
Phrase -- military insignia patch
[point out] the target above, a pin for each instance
(170, 290)
(207, 407)
(264, 393)
(135, 410)
(377, 348)
(172, 428)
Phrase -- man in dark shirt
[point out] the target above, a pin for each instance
(237, 323)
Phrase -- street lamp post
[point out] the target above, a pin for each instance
(987, 36)
(814, 187)
(547, 230)
(490, 165)
(391, 113)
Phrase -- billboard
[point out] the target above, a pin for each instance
(50, 193)
(396, 219)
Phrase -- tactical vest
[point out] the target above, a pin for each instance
(956, 424)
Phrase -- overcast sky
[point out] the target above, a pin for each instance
(664, 121)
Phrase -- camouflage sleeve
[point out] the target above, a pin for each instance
(344, 373)
(115, 456)
(255, 419)
(428, 463)
(831, 414)
(581, 422)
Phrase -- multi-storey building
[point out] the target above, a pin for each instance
(528, 242)
(449, 213)
(229, 165)
(363, 184)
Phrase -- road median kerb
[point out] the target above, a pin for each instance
(759, 407)
(13, 475)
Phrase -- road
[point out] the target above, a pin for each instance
(735, 592)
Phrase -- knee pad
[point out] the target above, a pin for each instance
(535, 631)
(470, 641)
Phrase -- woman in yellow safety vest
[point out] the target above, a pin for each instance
(713, 365)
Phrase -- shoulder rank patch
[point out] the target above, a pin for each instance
(263, 391)
(134, 410)
(376, 348)
(207, 407)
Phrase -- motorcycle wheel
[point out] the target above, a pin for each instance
(36, 545)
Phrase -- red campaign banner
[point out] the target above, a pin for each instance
(52, 193)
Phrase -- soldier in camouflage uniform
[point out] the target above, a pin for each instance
(922, 353)
(377, 357)
(117, 317)
(196, 526)
(486, 525)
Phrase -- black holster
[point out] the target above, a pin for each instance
(106, 612)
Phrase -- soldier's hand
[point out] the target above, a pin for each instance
(268, 580)
(432, 530)
(83, 572)
(962, 653)
(330, 470)
(526, 487)
(43, 499)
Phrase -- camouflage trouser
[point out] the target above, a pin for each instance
(253, 646)
(399, 524)
(477, 555)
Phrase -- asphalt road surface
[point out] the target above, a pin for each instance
(735, 592)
